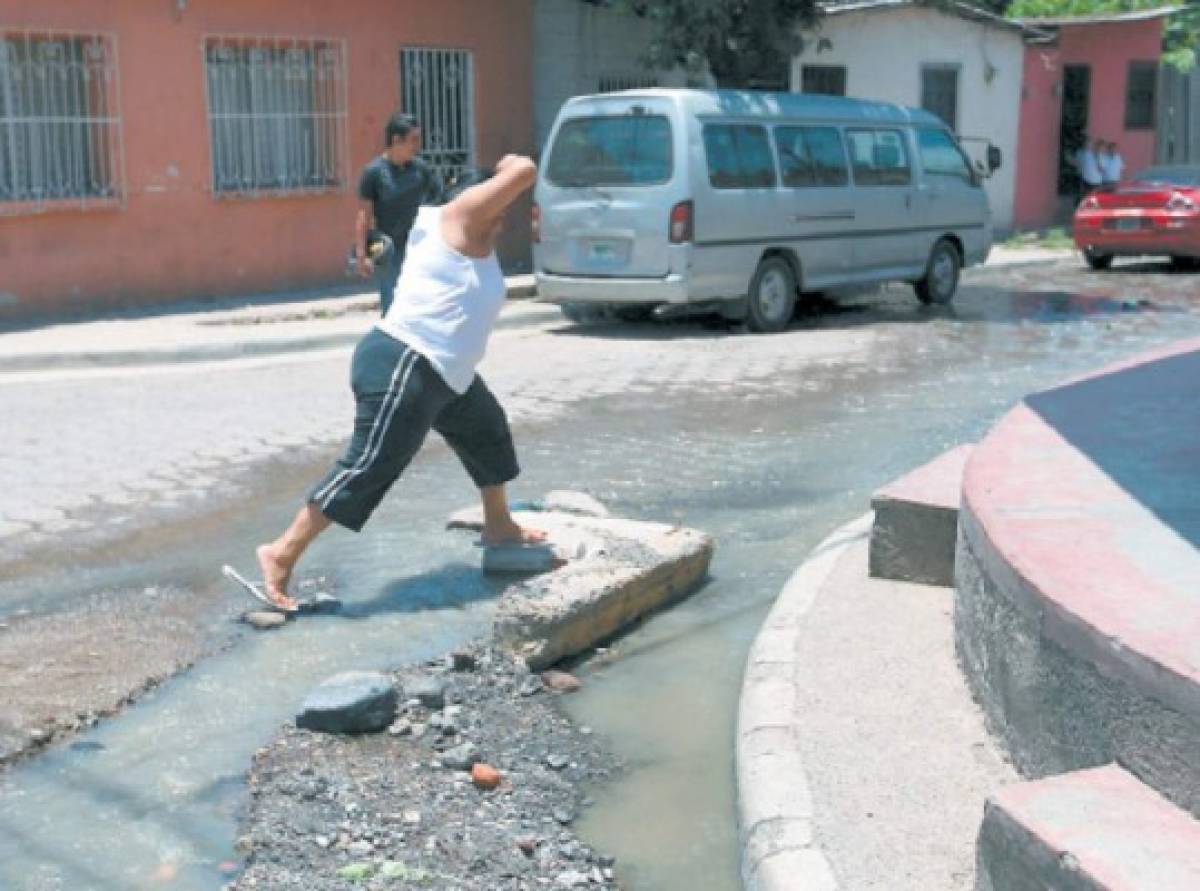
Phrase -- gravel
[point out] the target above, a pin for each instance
(399, 810)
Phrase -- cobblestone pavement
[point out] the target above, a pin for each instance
(99, 452)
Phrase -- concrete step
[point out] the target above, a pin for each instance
(1085, 831)
(916, 522)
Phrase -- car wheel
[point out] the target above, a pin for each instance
(1096, 260)
(772, 296)
(1185, 264)
(635, 313)
(941, 274)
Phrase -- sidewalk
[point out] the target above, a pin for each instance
(863, 761)
(229, 330)
(234, 329)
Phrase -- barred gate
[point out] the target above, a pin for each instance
(438, 89)
(60, 120)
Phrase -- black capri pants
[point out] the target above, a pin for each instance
(399, 398)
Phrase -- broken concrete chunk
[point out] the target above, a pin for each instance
(569, 502)
(350, 702)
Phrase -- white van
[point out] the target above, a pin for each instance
(657, 200)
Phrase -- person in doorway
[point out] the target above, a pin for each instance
(1112, 165)
(391, 188)
(1087, 164)
(415, 372)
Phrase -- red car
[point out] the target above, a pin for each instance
(1155, 212)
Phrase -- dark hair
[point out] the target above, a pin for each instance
(467, 177)
(400, 125)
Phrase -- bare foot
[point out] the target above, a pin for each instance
(512, 533)
(276, 576)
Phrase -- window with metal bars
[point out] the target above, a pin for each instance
(1140, 94)
(824, 80)
(939, 92)
(276, 114)
(438, 89)
(60, 124)
(615, 83)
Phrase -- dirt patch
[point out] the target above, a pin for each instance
(388, 810)
(62, 672)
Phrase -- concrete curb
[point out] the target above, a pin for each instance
(775, 812)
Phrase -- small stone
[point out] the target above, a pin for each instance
(430, 692)
(462, 661)
(461, 757)
(418, 730)
(531, 686)
(356, 872)
(402, 727)
(528, 844)
(360, 849)
(597, 875)
(412, 818)
(484, 776)
(563, 816)
(561, 681)
(571, 879)
(323, 841)
(555, 761)
(39, 736)
(264, 620)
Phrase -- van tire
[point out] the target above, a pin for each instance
(771, 300)
(941, 274)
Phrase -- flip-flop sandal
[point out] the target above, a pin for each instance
(254, 591)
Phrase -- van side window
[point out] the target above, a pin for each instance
(739, 156)
(879, 157)
(811, 156)
(941, 156)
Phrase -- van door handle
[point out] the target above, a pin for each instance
(832, 215)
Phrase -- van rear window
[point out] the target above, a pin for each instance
(624, 150)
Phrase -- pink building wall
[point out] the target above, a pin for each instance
(172, 238)
(1108, 49)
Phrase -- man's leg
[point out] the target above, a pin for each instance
(279, 558)
(476, 428)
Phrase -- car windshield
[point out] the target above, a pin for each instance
(625, 150)
(1175, 176)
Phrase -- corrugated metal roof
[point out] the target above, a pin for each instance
(1102, 18)
(962, 10)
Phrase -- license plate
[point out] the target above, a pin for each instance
(603, 251)
(1128, 224)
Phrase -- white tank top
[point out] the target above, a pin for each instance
(446, 303)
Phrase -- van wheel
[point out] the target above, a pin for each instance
(941, 274)
(772, 296)
(1095, 260)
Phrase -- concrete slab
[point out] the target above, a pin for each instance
(628, 570)
(916, 522)
(1092, 829)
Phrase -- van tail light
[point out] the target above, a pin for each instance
(680, 229)
(535, 223)
(1180, 202)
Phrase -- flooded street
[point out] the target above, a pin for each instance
(747, 438)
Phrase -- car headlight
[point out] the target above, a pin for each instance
(1180, 202)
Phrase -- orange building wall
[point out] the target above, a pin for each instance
(174, 239)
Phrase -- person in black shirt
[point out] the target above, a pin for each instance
(391, 188)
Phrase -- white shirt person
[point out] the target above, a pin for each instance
(1112, 165)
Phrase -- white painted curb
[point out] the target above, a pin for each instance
(775, 811)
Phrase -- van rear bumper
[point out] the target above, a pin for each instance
(574, 289)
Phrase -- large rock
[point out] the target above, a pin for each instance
(351, 702)
(631, 569)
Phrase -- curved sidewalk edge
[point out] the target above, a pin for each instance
(775, 813)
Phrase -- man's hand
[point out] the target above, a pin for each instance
(365, 266)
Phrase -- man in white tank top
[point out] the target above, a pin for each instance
(415, 372)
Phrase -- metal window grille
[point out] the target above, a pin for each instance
(276, 114)
(1141, 95)
(438, 89)
(824, 80)
(615, 83)
(939, 92)
(60, 120)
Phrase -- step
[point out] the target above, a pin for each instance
(916, 522)
(1089, 830)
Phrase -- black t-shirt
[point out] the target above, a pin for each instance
(395, 193)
